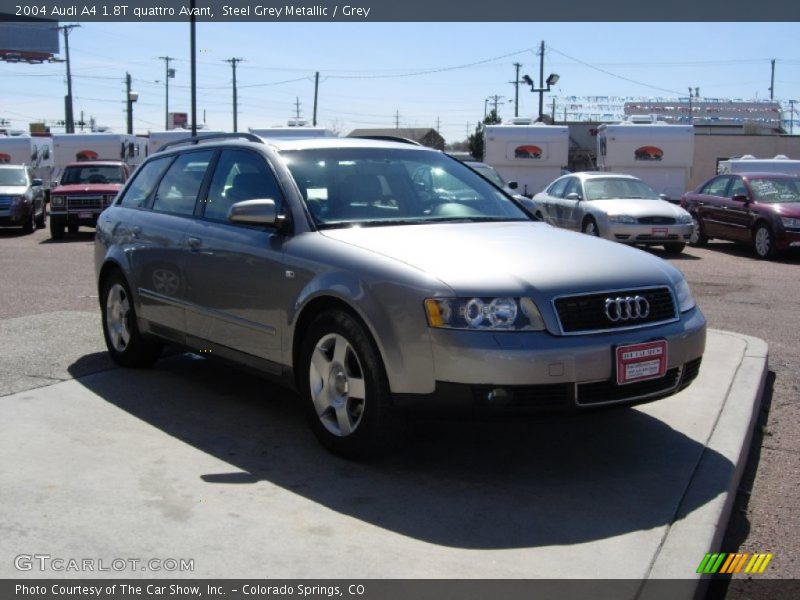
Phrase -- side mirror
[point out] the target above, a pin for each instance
(664, 197)
(741, 198)
(36, 182)
(254, 212)
(573, 196)
(513, 185)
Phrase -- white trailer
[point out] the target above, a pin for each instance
(659, 154)
(156, 139)
(34, 151)
(72, 147)
(749, 163)
(532, 155)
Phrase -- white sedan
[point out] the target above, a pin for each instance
(617, 207)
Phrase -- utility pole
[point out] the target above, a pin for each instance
(438, 124)
(495, 100)
(68, 114)
(193, 53)
(233, 62)
(772, 81)
(316, 92)
(297, 110)
(129, 102)
(791, 117)
(541, 80)
(167, 75)
(553, 117)
(397, 119)
(516, 90)
(691, 119)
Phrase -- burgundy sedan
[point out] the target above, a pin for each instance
(762, 209)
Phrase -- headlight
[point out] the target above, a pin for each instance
(57, 200)
(685, 219)
(627, 219)
(685, 298)
(495, 314)
(790, 222)
(18, 199)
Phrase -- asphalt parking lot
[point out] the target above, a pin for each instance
(48, 307)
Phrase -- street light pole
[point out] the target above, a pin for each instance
(541, 80)
(193, 52)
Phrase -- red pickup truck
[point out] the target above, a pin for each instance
(85, 189)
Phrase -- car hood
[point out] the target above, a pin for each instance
(13, 190)
(636, 207)
(90, 188)
(511, 257)
(786, 209)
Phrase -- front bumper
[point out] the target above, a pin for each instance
(787, 238)
(75, 217)
(647, 234)
(578, 370)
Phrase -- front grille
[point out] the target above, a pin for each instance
(544, 397)
(608, 391)
(585, 314)
(5, 202)
(84, 202)
(657, 220)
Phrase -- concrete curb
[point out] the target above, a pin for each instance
(692, 535)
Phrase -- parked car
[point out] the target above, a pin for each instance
(323, 264)
(490, 173)
(22, 198)
(760, 209)
(85, 188)
(617, 207)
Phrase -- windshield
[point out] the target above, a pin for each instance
(380, 186)
(490, 174)
(13, 177)
(775, 189)
(92, 174)
(617, 188)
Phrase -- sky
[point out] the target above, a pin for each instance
(425, 74)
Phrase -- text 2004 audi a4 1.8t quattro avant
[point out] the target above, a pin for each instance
(332, 266)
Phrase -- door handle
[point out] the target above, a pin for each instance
(194, 243)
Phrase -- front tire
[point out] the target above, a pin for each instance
(57, 227)
(344, 386)
(590, 227)
(29, 226)
(125, 343)
(674, 248)
(764, 242)
(698, 238)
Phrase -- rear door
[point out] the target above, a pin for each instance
(711, 206)
(568, 207)
(158, 241)
(737, 216)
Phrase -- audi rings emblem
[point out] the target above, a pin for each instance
(627, 308)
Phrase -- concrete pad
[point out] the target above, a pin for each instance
(193, 460)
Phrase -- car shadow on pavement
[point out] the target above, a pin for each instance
(791, 256)
(468, 483)
(80, 236)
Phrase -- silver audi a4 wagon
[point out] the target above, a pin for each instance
(373, 276)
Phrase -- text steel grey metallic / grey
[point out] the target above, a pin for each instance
(331, 265)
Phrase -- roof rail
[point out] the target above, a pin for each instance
(212, 136)
(386, 138)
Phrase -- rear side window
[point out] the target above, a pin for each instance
(715, 187)
(177, 192)
(240, 175)
(140, 189)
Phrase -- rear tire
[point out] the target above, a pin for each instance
(764, 242)
(40, 220)
(343, 384)
(125, 343)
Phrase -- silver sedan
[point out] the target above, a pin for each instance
(617, 207)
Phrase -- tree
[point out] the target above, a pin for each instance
(476, 139)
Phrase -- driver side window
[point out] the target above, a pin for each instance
(716, 187)
(557, 189)
(573, 187)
